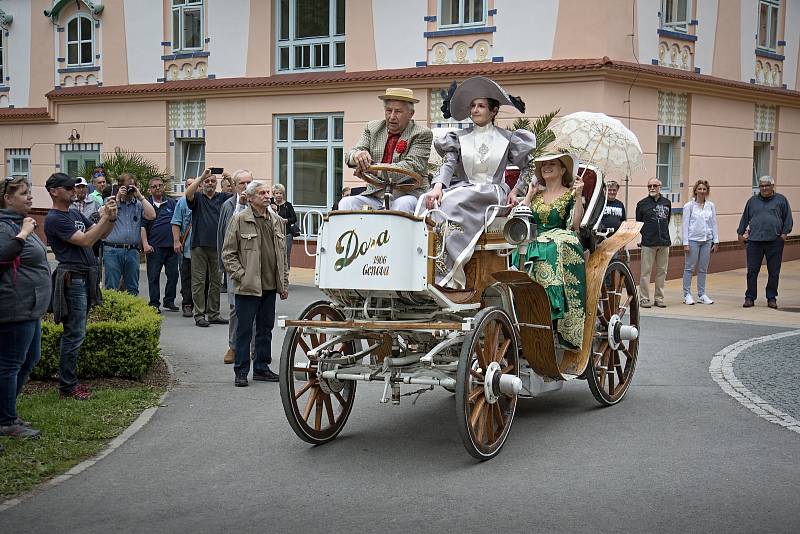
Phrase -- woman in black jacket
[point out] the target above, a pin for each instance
(24, 296)
(286, 211)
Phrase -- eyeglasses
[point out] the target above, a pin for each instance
(759, 185)
(653, 186)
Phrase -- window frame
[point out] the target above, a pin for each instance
(19, 158)
(3, 66)
(331, 144)
(83, 157)
(184, 152)
(81, 41)
(461, 23)
(674, 143)
(764, 150)
(676, 25)
(771, 27)
(177, 41)
(292, 44)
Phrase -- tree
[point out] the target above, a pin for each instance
(120, 161)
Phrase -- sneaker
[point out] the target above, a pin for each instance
(229, 357)
(188, 311)
(687, 299)
(748, 303)
(660, 304)
(644, 303)
(79, 392)
(704, 299)
(171, 307)
(19, 431)
(265, 376)
(156, 308)
(201, 322)
(772, 303)
(218, 320)
(240, 381)
(19, 421)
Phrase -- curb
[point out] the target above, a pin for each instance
(721, 370)
(113, 445)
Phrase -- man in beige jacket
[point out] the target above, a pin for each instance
(254, 255)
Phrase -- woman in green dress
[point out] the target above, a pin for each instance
(555, 259)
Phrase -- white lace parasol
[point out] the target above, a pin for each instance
(600, 140)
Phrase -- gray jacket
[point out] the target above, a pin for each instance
(25, 283)
(225, 213)
(768, 218)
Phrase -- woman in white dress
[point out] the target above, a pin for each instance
(472, 175)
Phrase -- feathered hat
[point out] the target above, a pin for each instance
(457, 99)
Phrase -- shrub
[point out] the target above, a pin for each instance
(122, 337)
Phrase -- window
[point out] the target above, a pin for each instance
(20, 166)
(309, 160)
(675, 15)
(668, 161)
(768, 24)
(187, 25)
(193, 159)
(80, 41)
(462, 13)
(310, 34)
(760, 161)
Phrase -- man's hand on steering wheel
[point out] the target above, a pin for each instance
(363, 160)
(434, 197)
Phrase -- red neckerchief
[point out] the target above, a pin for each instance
(388, 151)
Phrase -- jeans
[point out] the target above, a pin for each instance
(19, 353)
(205, 263)
(660, 257)
(699, 255)
(262, 310)
(77, 299)
(121, 263)
(162, 257)
(756, 251)
(289, 242)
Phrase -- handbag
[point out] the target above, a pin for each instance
(294, 230)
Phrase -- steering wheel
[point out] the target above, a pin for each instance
(391, 182)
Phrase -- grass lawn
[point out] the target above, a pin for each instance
(71, 432)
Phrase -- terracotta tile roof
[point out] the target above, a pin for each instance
(335, 77)
(24, 114)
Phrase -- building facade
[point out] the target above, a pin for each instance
(284, 87)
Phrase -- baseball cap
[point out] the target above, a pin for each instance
(59, 179)
(81, 181)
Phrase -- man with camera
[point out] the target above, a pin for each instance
(121, 247)
(206, 208)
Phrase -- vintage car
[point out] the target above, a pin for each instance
(385, 320)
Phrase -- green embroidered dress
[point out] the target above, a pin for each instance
(555, 260)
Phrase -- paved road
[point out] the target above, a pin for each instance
(677, 455)
(771, 370)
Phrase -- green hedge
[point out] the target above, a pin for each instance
(122, 337)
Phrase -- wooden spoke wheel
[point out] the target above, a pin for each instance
(484, 415)
(613, 359)
(317, 409)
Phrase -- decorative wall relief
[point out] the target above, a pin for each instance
(768, 72)
(676, 54)
(672, 108)
(186, 70)
(187, 114)
(443, 52)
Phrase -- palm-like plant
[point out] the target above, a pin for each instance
(541, 128)
(120, 161)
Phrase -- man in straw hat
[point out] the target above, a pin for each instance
(397, 141)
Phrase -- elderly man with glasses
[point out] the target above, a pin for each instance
(654, 211)
(765, 224)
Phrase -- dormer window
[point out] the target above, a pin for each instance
(462, 13)
(187, 25)
(675, 15)
(80, 41)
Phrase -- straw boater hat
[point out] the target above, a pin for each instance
(399, 93)
(460, 97)
(567, 160)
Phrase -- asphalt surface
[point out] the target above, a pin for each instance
(676, 455)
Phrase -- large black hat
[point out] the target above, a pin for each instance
(457, 102)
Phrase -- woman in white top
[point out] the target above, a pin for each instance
(700, 239)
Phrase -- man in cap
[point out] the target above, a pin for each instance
(396, 141)
(76, 282)
(88, 207)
